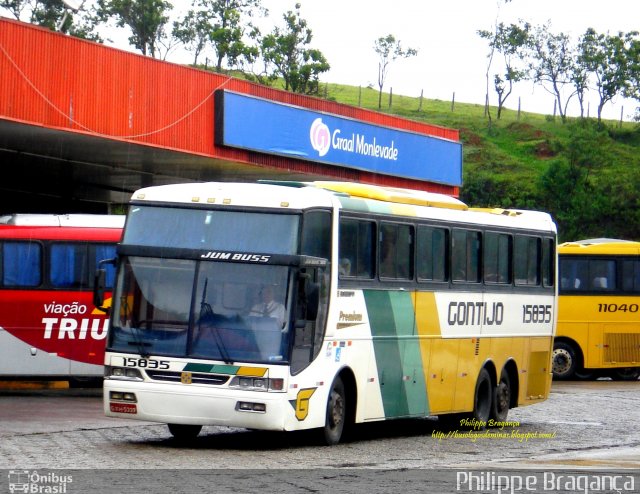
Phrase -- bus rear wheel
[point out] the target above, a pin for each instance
(184, 432)
(336, 414)
(626, 374)
(501, 398)
(564, 363)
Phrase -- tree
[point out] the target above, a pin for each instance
(226, 26)
(568, 189)
(194, 31)
(389, 49)
(286, 55)
(53, 14)
(19, 8)
(607, 58)
(633, 71)
(145, 18)
(510, 41)
(492, 51)
(552, 65)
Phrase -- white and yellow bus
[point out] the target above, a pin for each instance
(288, 306)
(599, 310)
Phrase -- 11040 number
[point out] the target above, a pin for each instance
(617, 307)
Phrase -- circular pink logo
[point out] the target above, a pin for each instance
(320, 137)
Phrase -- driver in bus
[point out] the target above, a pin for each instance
(269, 307)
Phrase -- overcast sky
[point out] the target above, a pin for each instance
(452, 57)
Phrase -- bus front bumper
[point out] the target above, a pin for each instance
(196, 405)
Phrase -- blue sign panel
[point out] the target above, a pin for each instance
(268, 127)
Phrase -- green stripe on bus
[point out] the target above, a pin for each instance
(387, 352)
(351, 204)
(397, 351)
(412, 366)
(366, 205)
(211, 369)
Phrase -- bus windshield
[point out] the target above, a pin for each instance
(231, 312)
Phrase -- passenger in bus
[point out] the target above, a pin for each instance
(600, 282)
(269, 307)
(344, 268)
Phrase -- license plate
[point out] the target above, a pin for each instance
(123, 408)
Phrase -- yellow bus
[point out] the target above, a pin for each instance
(599, 310)
(318, 305)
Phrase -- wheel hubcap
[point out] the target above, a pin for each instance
(561, 362)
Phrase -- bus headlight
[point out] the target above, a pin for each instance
(257, 383)
(122, 373)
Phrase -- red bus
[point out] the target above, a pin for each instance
(49, 327)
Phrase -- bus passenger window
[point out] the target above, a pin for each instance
(465, 256)
(572, 274)
(527, 260)
(357, 249)
(631, 276)
(548, 262)
(396, 253)
(103, 252)
(602, 274)
(431, 258)
(69, 265)
(497, 258)
(21, 264)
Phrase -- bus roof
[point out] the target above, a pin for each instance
(72, 220)
(350, 195)
(600, 246)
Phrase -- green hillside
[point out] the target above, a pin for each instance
(586, 175)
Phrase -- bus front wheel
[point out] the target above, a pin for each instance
(184, 432)
(564, 362)
(336, 413)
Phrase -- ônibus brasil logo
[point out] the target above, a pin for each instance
(320, 137)
(322, 140)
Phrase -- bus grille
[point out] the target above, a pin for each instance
(621, 347)
(176, 377)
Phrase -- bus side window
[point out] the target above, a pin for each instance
(497, 258)
(103, 252)
(356, 248)
(602, 274)
(21, 264)
(68, 266)
(548, 262)
(527, 260)
(465, 255)
(631, 276)
(396, 251)
(573, 272)
(432, 248)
